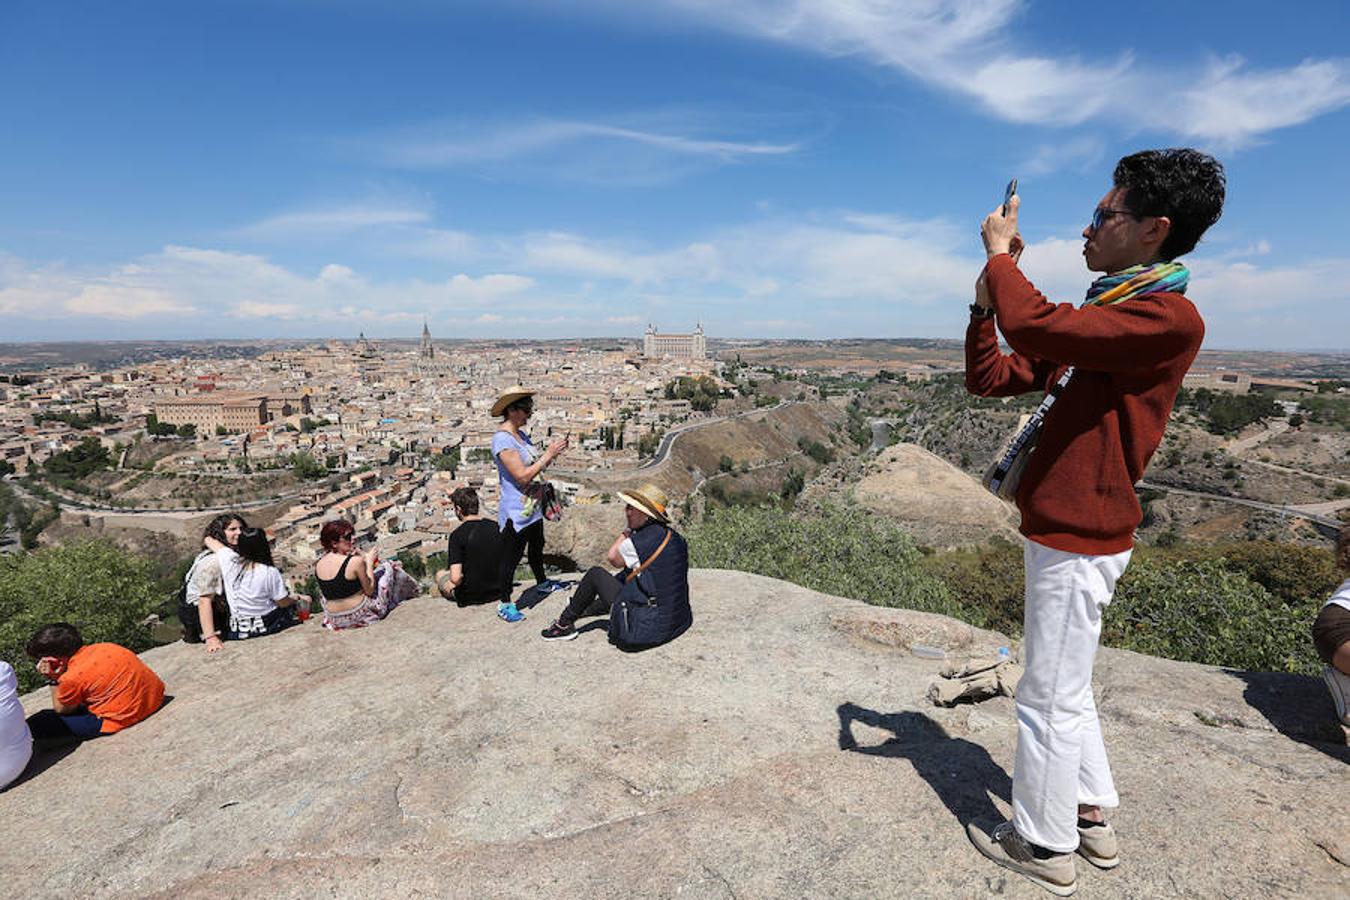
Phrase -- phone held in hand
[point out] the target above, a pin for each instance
(1008, 195)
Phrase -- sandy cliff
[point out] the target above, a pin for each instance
(782, 748)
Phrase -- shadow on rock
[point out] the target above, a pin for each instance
(534, 595)
(43, 759)
(960, 772)
(1298, 707)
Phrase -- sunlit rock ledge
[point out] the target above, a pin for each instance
(781, 748)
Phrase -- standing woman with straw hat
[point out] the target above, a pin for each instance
(520, 519)
(652, 549)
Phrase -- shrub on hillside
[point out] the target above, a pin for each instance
(835, 552)
(96, 586)
(987, 581)
(1204, 612)
(1293, 573)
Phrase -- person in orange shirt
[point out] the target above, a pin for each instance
(96, 689)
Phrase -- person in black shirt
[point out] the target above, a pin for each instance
(475, 552)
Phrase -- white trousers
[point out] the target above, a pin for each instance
(1061, 759)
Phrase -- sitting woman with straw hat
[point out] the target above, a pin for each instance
(519, 517)
(648, 549)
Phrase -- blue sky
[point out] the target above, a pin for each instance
(812, 168)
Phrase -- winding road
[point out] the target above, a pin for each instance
(1324, 524)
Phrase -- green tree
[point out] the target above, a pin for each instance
(85, 458)
(816, 450)
(447, 461)
(701, 392)
(187, 430)
(158, 428)
(304, 465)
(96, 586)
(648, 443)
(413, 563)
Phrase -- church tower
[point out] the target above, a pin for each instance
(428, 353)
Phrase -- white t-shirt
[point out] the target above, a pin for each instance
(251, 589)
(629, 553)
(1342, 595)
(16, 742)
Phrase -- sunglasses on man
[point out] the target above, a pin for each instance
(1102, 214)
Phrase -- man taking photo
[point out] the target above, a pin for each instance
(1111, 369)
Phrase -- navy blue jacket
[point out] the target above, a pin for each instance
(666, 579)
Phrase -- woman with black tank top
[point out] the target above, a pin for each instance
(356, 588)
(346, 578)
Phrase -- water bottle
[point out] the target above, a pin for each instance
(1004, 654)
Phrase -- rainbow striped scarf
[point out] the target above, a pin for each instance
(1137, 281)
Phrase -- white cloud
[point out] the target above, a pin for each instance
(562, 252)
(637, 148)
(332, 221)
(831, 274)
(1230, 105)
(251, 309)
(462, 288)
(181, 281)
(512, 141)
(124, 301)
(437, 243)
(970, 48)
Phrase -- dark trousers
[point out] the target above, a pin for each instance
(593, 596)
(49, 725)
(190, 615)
(515, 544)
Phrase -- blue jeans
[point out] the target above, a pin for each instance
(49, 725)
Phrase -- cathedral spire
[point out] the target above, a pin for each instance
(427, 352)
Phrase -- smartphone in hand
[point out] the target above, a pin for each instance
(1008, 194)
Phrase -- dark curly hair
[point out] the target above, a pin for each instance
(1184, 185)
(57, 639)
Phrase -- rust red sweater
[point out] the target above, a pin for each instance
(1077, 492)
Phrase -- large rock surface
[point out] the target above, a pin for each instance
(781, 748)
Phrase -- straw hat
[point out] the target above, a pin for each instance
(648, 499)
(509, 396)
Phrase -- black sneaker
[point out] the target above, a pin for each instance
(559, 632)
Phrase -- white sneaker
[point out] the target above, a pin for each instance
(1339, 684)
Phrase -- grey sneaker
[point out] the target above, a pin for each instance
(1098, 846)
(1002, 844)
(1339, 684)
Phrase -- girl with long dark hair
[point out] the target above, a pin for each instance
(204, 611)
(260, 602)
